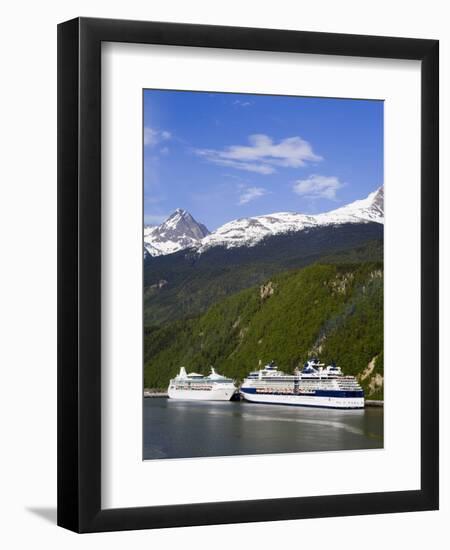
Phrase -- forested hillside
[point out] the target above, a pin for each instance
(186, 283)
(331, 310)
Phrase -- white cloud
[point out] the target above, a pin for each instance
(242, 103)
(252, 193)
(236, 177)
(318, 187)
(247, 166)
(263, 155)
(153, 137)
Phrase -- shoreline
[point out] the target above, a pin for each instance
(373, 403)
(154, 393)
(161, 394)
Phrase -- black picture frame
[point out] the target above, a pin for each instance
(79, 274)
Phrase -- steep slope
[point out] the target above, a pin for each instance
(335, 311)
(370, 209)
(250, 231)
(178, 232)
(193, 282)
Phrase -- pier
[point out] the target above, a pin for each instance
(155, 393)
(237, 397)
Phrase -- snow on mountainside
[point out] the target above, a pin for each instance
(370, 209)
(181, 231)
(249, 231)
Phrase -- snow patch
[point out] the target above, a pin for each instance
(181, 230)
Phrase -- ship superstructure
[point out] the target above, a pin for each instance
(213, 387)
(316, 385)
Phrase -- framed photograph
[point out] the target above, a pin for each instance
(248, 275)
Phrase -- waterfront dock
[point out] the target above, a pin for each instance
(237, 397)
(154, 393)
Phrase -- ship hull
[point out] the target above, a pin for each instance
(317, 401)
(216, 394)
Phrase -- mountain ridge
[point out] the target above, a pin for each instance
(250, 231)
(181, 231)
(192, 282)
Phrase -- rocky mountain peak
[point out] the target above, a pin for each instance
(378, 200)
(180, 230)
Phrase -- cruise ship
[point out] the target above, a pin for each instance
(316, 385)
(213, 387)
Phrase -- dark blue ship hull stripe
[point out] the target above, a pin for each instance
(302, 405)
(317, 393)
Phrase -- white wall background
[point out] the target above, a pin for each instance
(28, 269)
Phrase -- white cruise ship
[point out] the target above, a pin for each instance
(213, 387)
(316, 385)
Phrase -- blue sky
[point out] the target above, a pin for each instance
(227, 156)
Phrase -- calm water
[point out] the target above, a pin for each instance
(180, 429)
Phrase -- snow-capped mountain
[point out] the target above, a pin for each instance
(370, 209)
(249, 231)
(179, 231)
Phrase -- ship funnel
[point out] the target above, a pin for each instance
(182, 373)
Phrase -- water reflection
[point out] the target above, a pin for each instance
(181, 429)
